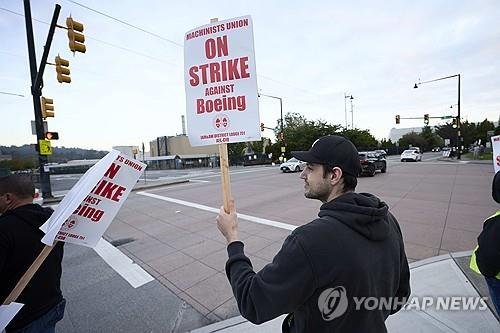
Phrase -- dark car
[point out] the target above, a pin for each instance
(371, 162)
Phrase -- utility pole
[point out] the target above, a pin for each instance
(36, 88)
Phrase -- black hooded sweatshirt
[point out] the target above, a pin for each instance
(20, 244)
(354, 249)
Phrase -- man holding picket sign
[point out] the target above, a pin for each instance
(19, 246)
(81, 218)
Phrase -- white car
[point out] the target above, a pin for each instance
(292, 165)
(411, 155)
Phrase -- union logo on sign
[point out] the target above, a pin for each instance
(221, 122)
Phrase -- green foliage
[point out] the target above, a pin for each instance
(412, 139)
(236, 149)
(300, 133)
(362, 139)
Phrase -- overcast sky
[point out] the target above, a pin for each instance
(128, 87)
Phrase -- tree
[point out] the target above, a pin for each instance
(236, 149)
(411, 139)
(362, 139)
(482, 130)
(431, 139)
(447, 132)
(300, 133)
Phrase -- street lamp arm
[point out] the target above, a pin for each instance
(441, 78)
(261, 94)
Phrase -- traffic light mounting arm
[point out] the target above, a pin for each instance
(37, 86)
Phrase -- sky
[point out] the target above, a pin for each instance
(128, 87)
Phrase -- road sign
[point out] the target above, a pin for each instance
(283, 149)
(45, 147)
(33, 127)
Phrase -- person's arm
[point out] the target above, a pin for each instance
(488, 252)
(279, 288)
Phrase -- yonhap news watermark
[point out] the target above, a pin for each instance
(334, 302)
(422, 303)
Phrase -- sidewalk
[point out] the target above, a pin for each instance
(437, 276)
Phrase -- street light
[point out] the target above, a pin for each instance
(459, 138)
(282, 135)
(345, 109)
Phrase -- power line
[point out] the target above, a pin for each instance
(7, 93)
(177, 44)
(155, 35)
(97, 40)
(126, 23)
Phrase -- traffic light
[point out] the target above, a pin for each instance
(398, 119)
(47, 107)
(281, 136)
(454, 122)
(51, 135)
(262, 127)
(75, 36)
(426, 119)
(62, 69)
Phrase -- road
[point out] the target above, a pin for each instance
(170, 231)
(63, 183)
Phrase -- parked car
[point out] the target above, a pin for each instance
(411, 155)
(371, 162)
(292, 165)
(37, 197)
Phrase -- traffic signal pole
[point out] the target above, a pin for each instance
(36, 88)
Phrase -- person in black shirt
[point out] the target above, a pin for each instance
(354, 249)
(20, 244)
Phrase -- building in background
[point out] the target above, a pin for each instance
(175, 152)
(397, 133)
(132, 151)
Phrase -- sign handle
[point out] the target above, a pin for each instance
(224, 174)
(25, 279)
(224, 166)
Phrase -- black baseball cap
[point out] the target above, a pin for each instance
(495, 187)
(332, 150)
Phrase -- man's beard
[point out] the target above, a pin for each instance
(321, 192)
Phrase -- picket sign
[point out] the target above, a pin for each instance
(221, 88)
(495, 143)
(87, 209)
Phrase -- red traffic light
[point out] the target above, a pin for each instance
(51, 135)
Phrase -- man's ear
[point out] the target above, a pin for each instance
(335, 175)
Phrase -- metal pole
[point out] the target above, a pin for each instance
(459, 136)
(281, 116)
(352, 114)
(36, 92)
(345, 110)
(144, 161)
(46, 49)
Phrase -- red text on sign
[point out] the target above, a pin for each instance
(221, 104)
(225, 70)
(91, 213)
(108, 190)
(216, 47)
